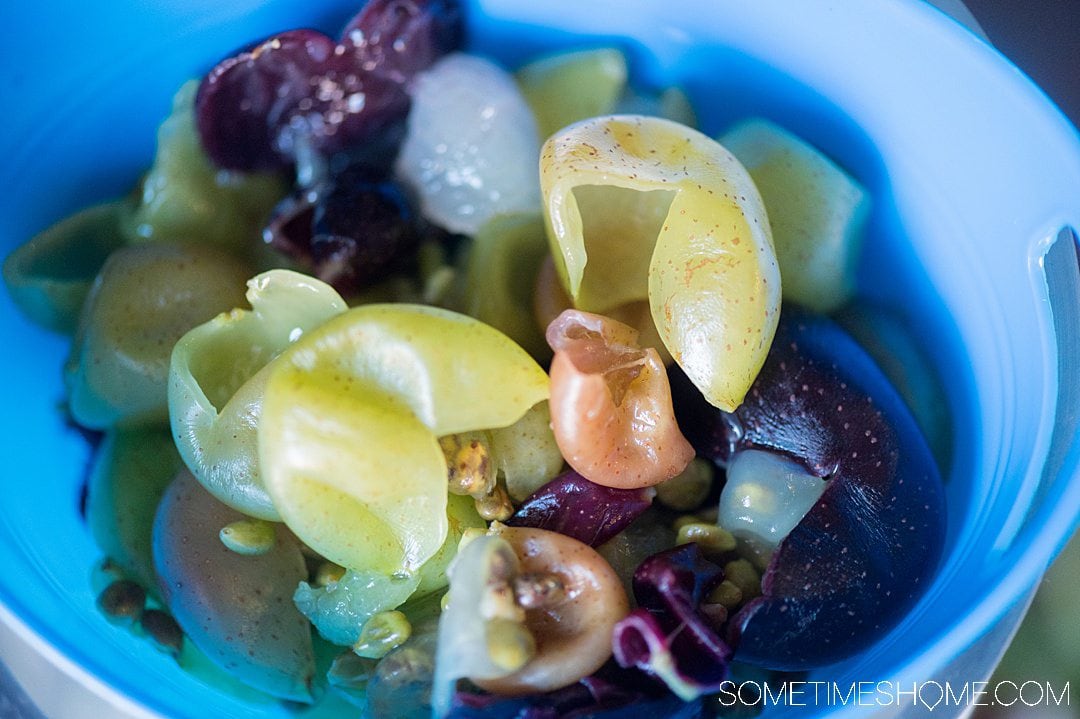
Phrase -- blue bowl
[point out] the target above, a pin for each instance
(974, 176)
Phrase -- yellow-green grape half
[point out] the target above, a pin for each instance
(503, 262)
(461, 515)
(185, 198)
(144, 299)
(526, 453)
(666, 214)
(217, 378)
(50, 276)
(352, 412)
(816, 210)
(131, 470)
(567, 87)
(237, 609)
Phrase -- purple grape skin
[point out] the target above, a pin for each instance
(584, 510)
(399, 38)
(361, 230)
(244, 101)
(670, 588)
(255, 109)
(867, 550)
(351, 231)
(237, 609)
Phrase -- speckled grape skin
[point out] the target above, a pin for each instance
(237, 609)
(868, 548)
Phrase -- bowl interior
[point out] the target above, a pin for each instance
(960, 227)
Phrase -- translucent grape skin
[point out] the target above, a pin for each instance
(301, 91)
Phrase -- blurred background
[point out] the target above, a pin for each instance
(1042, 37)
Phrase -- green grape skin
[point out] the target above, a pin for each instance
(143, 300)
(132, 468)
(217, 376)
(184, 198)
(503, 262)
(348, 437)
(570, 86)
(526, 452)
(697, 246)
(817, 212)
(50, 276)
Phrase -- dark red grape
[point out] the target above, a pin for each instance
(289, 230)
(351, 231)
(588, 512)
(361, 228)
(301, 92)
(398, 38)
(866, 551)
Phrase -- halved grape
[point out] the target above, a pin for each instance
(131, 470)
(50, 276)
(501, 270)
(816, 210)
(471, 147)
(348, 436)
(217, 377)
(145, 298)
(186, 199)
(867, 548)
(238, 609)
(572, 86)
(526, 452)
(695, 243)
(290, 94)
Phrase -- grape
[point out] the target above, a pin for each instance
(144, 299)
(588, 512)
(471, 148)
(352, 230)
(50, 276)
(571, 86)
(238, 609)
(866, 549)
(131, 470)
(361, 229)
(398, 38)
(217, 376)
(348, 436)
(184, 198)
(300, 92)
(708, 268)
(292, 93)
